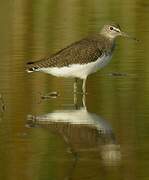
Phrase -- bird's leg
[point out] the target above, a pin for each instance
(75, 85)
(84, 86)
(75, 100)
(84, 101)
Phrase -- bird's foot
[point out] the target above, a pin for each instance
(53, 94)
(80, 93)
(84, 93)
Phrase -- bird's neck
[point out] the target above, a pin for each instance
(109, 41)
(106, 43)
(108, 36)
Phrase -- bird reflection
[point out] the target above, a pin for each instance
(83, 131)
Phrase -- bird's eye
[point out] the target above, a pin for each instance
(111, 28)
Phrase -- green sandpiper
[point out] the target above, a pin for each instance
(81, 58)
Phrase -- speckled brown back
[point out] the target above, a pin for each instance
(81, 52)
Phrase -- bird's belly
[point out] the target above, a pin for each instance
(78, 70)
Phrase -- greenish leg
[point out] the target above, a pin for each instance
(84, 86)
(75, 85)
(84, 101)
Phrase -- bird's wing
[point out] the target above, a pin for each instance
(81, 52)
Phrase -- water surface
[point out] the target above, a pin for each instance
(55, 138)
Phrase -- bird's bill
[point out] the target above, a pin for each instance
(128, 36)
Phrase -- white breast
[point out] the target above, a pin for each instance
(78, 70)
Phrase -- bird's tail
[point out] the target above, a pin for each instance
(31, 67)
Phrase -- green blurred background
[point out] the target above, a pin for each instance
(32, 29)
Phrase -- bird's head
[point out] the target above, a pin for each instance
(113, 30)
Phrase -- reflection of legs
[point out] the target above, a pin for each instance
(83, 94)
(83, 100)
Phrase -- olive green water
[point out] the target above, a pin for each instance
(51, 138)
